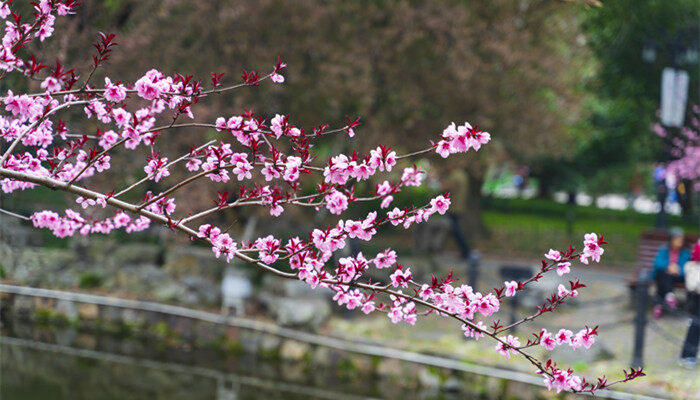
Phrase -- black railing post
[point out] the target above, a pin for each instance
(474, 260)
(640, 321)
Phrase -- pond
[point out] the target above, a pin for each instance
(40, 362)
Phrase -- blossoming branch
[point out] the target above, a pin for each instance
(255, 161)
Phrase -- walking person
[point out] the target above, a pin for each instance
(668, 270)
(692, 284)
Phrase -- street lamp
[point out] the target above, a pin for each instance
(683, 49)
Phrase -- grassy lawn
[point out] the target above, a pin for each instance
(529, 227)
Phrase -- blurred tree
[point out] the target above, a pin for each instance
(406, 67)
(624, 91)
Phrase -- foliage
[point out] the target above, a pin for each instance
(624, 91)
(405, 66)
(89, 280)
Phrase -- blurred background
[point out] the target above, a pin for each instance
(571, 93)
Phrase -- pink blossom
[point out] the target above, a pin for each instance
(511, 288)
(224, 244)
(443, 148)
(51, 84)
(505, 351)
(547, 340)
(384, 188)
(591, 248)
(564, 336)
(270, 172)
(474, 333)
(336, 202)
(563, 268)
(382, 158)
(114, 92)
(412, 176)
(586, 337)
(157, 168)
(400, 277)
(150, 86)
(385, 259)
(386, 202)
(368, 307)
(396, 216)
(553, 255)
(440, 204)
(277, 78)
(268, 247)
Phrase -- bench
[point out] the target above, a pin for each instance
(649, 244)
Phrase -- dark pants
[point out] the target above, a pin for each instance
(459, 235)
(664, 284)
(692, 338)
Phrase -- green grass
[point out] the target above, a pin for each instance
(530, 227)
(89, 280)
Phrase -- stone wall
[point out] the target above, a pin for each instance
(186, 274)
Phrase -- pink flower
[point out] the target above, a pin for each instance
(277, 78)
(193, 164)
(563, 268)
(396, 216)
(478, 138)
(384, 188)
(586, 337)
(386, 202)
(368, 307)
(114, 93)
(108, 139)
(472, 332)
(51, 84)
(385, 259)
(511, 288)
(562, 291)
(400, 277)
(440, 204)
(591, 248)
(553, 255)
(242, 170)
(505, 351)
(157, 168)
(547, 340)
(443, 148)
(150, 86)
(412, 176)
(583, 258)
(382, 158)
(276, 210)
(336, 202)
(270, 172)
(564, 336)
(85, 202)
(121, 219)
(268, 247)
(488, 305)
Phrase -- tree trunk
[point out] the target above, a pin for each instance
(544, 189)
(474, 226)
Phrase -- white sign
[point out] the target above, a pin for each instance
(674, 94)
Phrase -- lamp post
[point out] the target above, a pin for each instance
(683, 49)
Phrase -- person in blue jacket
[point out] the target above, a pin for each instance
(668, 269)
